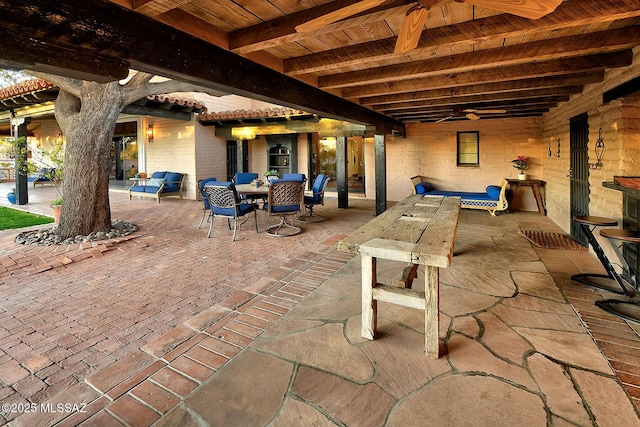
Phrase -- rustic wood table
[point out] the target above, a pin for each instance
(419, 230)
(535, 185)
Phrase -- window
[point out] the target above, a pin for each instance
(469, 148)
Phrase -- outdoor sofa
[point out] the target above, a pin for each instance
(493, 200)
(161, 184)
(44, 176)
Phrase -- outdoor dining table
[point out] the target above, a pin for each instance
(419, 230)
(252, 189)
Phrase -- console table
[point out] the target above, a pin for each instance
(534, 184)
(419, 230)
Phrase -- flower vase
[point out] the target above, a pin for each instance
(12, 198)
(522, 176)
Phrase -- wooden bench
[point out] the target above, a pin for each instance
(419, 230)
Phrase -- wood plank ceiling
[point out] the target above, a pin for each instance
(468, 57)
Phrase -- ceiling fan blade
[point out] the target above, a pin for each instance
(442, 120)
(532, 9)
(472, 116)
(471, 110)
(412, 27)
(337, 15)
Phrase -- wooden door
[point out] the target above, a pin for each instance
(579, 173)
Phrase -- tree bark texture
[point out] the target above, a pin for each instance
(87, 124)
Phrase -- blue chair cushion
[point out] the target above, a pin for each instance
(158, 174)
(494, 191)
(245, 177)
(315, 199)
(286, 208)
(297, 177)
(173, 178)
(138, 188)
(423, 187)
(319, 183)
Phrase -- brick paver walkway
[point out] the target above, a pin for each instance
(165, 299)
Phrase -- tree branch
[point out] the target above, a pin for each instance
(169, 86)
(73, 86)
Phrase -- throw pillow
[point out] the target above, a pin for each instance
(155, 182)
(493, 191)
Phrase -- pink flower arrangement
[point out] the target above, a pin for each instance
(520, 163)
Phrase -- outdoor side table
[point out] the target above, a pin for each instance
(534, 184)
(419, 230)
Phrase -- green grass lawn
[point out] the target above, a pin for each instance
(13, 218)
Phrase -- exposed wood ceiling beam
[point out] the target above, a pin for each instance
(124, 35)
(572, 13)
(156, 7)
(282, 30)
(544, 50)
(442, 82)
(470, 99)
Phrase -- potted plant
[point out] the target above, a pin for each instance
(56, 207)
(12, 196)
(521, 163)
(270, 175)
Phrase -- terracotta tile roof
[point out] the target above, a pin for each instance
(25, 87)
(16, 96)
(252, 114)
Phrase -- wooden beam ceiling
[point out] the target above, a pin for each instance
(467, 56)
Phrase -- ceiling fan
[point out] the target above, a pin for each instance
(471, 114)
(416, 16)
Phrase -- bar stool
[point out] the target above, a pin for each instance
(626, 309)
(611, 281)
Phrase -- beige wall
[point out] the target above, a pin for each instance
(430, 150)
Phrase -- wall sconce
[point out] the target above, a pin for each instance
(599, 148)
(59, 138)
(149, 133)
(557, 153)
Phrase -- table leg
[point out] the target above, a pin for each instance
(432, 311)
(369, 305)
(538, 196)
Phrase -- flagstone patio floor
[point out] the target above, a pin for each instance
(169, 328)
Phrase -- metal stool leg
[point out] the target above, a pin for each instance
(611, 282)
(625, 309)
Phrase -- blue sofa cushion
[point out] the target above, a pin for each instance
(463, 195)
(494, 191)
(173, 178)
(170, 188)
(151, 189)
(138, 188)
(158, 174)
(423, 187)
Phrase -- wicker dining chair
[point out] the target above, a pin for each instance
(286, 198)
(225, 203)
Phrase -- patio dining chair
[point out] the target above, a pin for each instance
(205, 199)
(246, 178)
(317, 198)
(286, 198)
(299, 177)
(225, 203)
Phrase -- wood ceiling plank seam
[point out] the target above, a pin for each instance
(618, 39)
(448, 82)
(154, 8)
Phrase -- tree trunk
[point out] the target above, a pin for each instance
(88, 129)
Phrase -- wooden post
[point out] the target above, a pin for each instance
(432, 311)
(341, 172)
(369, 305)
(22, 194)
(381, 173)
